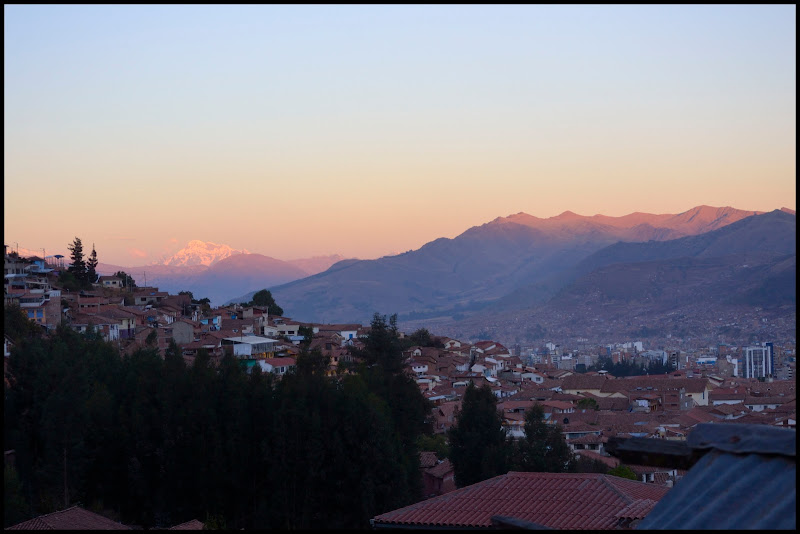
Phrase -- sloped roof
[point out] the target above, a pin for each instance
(74, 518)
(554, 500)
(427, 459)
(623, 385)
(194, 524)
(740, 458)
(441, 469)
(582, 382)
(610, 461)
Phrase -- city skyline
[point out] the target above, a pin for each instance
(299, 131)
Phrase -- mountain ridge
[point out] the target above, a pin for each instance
(481, 264)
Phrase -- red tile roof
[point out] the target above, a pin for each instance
(441, 469)
(610, 461)
(75, 518)
(637, 509)
(194, 524)
(427, 459)
(554, 500)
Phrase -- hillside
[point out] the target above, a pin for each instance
(737, 280)
(467, 273)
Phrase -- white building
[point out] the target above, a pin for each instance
(757, 362)
(250, 347)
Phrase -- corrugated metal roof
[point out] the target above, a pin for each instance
(747, 480)
(554, 500)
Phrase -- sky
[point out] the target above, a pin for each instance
(369, 130)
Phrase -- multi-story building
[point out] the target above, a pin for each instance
(758, 361)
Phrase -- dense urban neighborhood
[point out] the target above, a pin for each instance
(592, 394)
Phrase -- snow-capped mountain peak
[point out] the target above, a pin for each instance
(198, 252)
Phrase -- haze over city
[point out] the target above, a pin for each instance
(296, 131)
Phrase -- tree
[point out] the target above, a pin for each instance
(583, 464)
(78, 267)
(312, 363)
(479, 448)
(422, 338)
(191, 296)
(308, 334)
(15, 509)
(152, 338)
(623, 471)
(91, 267)
(264, 298)
(127, 280)
(588, 404)
(543, 449)
(436, 443)
(17, 326)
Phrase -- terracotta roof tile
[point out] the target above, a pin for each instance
(427, 459)
(75, 518)
(441, 469)
(610, 461)
(637, 509)
(194, 524)
(554, 500)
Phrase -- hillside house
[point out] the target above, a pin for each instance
(277, 366)
(249, 347)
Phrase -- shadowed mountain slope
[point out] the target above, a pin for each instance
(740, 278)
(463, 274)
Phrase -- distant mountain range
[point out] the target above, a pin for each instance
(198, 252)
(218, 271)
(520, 271)
(511, 262)
(729, 284)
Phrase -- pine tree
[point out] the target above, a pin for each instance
(91, 267)
(78, 267)
(543, 449)
(479, 448)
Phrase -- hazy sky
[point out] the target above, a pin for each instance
(295, 130)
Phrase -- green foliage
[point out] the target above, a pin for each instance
(543, 449)
(214, 522)
(91, 267)
(15, 509)
(479, 448)
(627, 368)
(161, 442)
(312, 363)
(191, 296)
(264, 299)
(623, 471)
(589, 465)
(68, 281)
(78, 266)
(409, 411)
(382, 346)
(17, 326)
(152, 338)
(421, 338)
(588, 404)
(127, 280)
(434, 442)
(308, 334)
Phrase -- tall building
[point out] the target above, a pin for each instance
(758, 362)
(771, 347)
